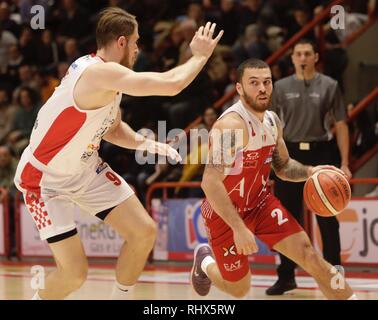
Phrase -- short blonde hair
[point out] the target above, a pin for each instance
(113, 23)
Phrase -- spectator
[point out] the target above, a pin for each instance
(194, 162)
(249, 13)
(48, 53)
(335, 58)
(7, 39)
(231, 88)
(195, 12)
(188, 28)
(24, 120)
(251, 45)
(15, 60)
(186, 106)
(28, 45)
(73, 21)
(167, 47)
(6, 22)
(7, 115)
(8, 166)
(62, 69)
(301, 17)
(228, 20)
(71, 50)
(26, 79)
(47, 84)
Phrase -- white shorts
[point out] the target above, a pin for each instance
(53, 211)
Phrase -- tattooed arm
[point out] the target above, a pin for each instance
(224, 140)
(289, 169)
(286, 168)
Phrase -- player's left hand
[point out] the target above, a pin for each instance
(344, 168)
(329, 167)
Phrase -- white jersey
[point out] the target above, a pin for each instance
(65, 139)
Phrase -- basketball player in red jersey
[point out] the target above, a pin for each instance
(60, 171)
(239, 205)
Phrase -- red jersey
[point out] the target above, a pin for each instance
(246, 183)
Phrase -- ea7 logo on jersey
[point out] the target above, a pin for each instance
(232, 266)
(229, 251)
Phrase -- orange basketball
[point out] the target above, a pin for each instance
(327, 192)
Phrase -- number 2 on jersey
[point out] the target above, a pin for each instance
(278, 213)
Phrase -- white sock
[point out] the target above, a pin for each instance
(122, 292)
(206, 262)
(353, 297)
(36, 296)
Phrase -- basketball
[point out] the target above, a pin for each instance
(327, 192)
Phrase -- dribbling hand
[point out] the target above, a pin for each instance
(329, 167)
(245, 242)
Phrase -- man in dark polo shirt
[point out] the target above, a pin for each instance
(309, 104)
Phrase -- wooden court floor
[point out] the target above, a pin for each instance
(171, 284)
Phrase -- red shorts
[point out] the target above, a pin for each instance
(269, 221)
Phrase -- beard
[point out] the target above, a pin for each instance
(256, 104)
(127, 61)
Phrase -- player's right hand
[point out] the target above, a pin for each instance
(162, 149)
(245, 242)
(203, 44)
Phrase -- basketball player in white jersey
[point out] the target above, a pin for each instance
(239, 204)
(61, 171)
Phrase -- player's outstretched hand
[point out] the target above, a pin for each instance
(245, 242)
(163, 149)
(203, 44)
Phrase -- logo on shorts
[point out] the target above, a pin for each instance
(229, 251)
(101, 167)
(230, 267)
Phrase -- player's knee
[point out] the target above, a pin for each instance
(75, 277)
(239, 290)
(79, 278)
(147, 233)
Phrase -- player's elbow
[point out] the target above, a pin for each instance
(174, 87)
(207, 184)
(280, 173)
(204, 184)
(173, 82)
